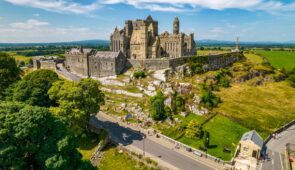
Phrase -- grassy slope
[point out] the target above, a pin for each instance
(279, 59)
(264, 108)
(112, 159)
(223, 133)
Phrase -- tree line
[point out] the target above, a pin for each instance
(42, 117)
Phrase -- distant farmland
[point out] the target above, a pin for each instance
(279, 59)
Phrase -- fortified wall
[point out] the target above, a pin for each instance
(211, 62)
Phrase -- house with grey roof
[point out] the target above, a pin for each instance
(248, 151)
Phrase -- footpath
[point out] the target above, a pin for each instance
(214, 164)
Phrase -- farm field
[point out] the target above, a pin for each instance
(279, 59)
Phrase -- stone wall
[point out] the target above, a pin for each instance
(51, 65)
(223, 60)
(211, 62)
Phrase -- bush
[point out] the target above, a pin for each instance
(159, 111)
(139, 74)
(207, 97)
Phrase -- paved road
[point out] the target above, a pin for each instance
(127, 136)
(276, 150)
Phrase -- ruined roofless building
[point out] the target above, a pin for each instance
(140, 40)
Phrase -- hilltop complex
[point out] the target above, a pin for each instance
(140, 40)
(138, 45)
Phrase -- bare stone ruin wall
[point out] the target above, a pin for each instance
(223, 60)
(51, 65)
(213, 62)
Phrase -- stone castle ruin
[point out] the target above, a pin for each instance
(139, 44)
(140, 40)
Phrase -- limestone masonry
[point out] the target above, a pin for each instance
(138, 45)
(140, 40)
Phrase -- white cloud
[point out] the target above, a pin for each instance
(192, 5)
(62, 6)
(217, 30)
(40, 31)
(29, 24)
(36, 15)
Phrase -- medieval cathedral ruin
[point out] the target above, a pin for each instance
(138, 44)
(140, 40)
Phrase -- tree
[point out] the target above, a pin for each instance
(76, 101)
(32, 89)
(193, 130)
(180, 103)
(159, 112)
(207, 97)
(206, 139)
(31, 138)
(9, 72)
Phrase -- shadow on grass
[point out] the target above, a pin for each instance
(90, 140)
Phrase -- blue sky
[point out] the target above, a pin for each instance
(71, 20)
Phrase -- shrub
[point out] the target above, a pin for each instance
(139, 74)
(159, 111)
(207, 97)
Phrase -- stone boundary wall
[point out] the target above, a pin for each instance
(281, 129)
(212, 62)
(196, 151)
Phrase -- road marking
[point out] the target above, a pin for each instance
(272, 162)
(281, 162)
(261, 166)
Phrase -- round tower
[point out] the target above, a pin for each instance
(176, 26)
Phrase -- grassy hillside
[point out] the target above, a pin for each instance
(279, 59)
(264, 108)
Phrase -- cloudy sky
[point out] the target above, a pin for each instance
(71, 20)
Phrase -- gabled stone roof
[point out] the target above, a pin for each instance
(253, 136)
(106, 54)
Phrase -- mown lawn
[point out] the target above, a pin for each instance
(224, 133)
(279, 59)
(263, 108)
(114, 160)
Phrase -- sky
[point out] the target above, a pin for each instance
(73, 20)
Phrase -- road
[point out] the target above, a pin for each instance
(276, 150)
(127, 136)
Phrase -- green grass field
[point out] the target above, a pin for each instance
(279, 59)
(264, 108)
(114, 160)
(224, 133)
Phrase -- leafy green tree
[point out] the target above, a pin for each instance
(193, 130)
(159, 111)
(31, 138)
(32, 89)
(180, 103)
(76, 101)
(206, 139)
(207, 97)
(9, 72)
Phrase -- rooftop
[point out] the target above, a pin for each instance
(253, 136)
